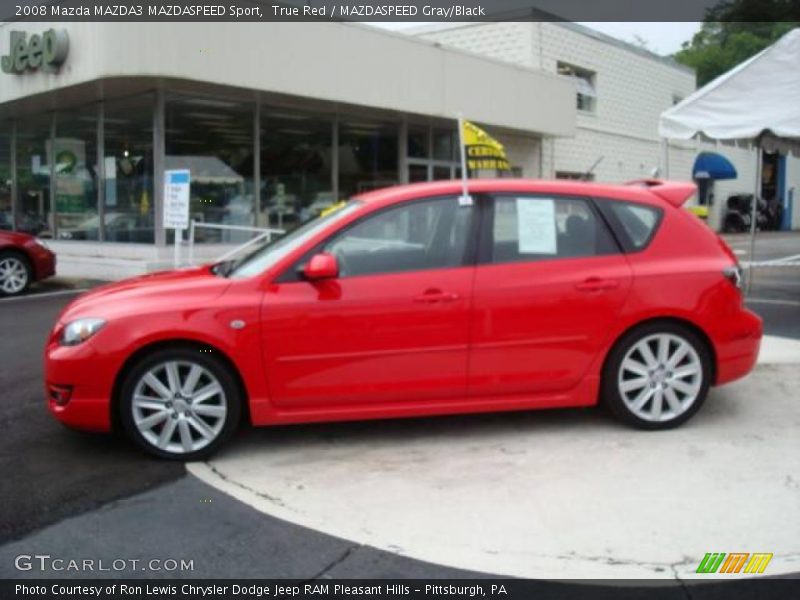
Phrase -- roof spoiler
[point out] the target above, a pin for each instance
(674, 192)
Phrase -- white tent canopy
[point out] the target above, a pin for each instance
(758, 101)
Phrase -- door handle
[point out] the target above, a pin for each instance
(597, 284)
(434, 296)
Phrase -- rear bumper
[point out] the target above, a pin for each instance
(737, 351)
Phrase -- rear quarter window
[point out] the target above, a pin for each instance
(634, 224)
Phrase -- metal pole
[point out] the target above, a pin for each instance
(256, 162)
(52, 195)
(463, 152)
(14, 176)
(754, 216)
(334, 160)
(191, 243)
(101, 172)
(178, 240)
(159, 159)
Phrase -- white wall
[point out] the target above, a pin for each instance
(337, 62)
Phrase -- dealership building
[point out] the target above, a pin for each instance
(276, 121)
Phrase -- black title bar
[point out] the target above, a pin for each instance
(399, 589)
(398, 10)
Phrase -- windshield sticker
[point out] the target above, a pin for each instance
(536, 226)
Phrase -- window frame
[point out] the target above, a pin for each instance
(605, 206)
(486, 234)
(294, 272)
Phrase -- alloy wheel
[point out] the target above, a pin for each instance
(13, 275)
(179, 406)
(660, 377)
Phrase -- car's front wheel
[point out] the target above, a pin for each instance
(15, 273)
(657, 376)
(180, 403)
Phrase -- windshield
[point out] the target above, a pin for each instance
(267, 256)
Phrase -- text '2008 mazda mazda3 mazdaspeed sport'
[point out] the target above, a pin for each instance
(416, 300)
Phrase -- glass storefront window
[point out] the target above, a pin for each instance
(128, 163)
(76, 174)
(442, 172)
(418, 142)
(368, 156)
(444, 144)
(417, 173)
(213, 139)
(296, 167)
(5, 176)
(33, 175)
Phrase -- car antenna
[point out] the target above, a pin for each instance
(588, 174)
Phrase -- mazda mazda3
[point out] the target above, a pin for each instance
(418, 300)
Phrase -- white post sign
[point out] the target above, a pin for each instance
(176, 205)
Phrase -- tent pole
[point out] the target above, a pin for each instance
(754, 216)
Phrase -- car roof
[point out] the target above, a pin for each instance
(634, 192)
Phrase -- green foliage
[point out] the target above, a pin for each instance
(733, 32)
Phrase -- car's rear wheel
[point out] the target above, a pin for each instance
(657, 376)
(15, 273)
(180, 404)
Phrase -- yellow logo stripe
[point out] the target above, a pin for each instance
(758, 562)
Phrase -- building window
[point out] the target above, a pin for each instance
(33, 175)
(128, 166)
(584, 81)
(574, 176)
(418, 143)
(432, 153)
(6, 222)
(213, 139)
(296, 167)
(76, 174)
(368, 156)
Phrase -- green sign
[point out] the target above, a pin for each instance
(48, 51)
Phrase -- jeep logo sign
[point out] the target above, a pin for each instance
(48, 51)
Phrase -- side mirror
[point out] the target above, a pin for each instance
(321, 266)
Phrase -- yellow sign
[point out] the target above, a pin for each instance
(700, 211)
(483, 151)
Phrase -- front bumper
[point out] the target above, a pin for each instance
(43, 260)
(85, 379)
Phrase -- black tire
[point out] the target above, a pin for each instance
(611, 395)
(26, 264)
(206, 359)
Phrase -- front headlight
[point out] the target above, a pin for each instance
(41, 243)
(80, 330)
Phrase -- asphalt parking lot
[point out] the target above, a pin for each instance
(68, 492)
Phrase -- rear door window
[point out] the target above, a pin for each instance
(527, 228)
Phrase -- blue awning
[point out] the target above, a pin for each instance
(710, 165)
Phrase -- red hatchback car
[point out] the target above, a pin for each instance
(415, 300)
(23, 260)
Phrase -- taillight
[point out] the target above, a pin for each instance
(734, 275)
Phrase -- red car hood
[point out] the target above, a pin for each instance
(140, 294)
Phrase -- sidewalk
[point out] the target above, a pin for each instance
(558, 494)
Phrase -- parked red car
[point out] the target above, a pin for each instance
(415, 300)
(23, 260)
